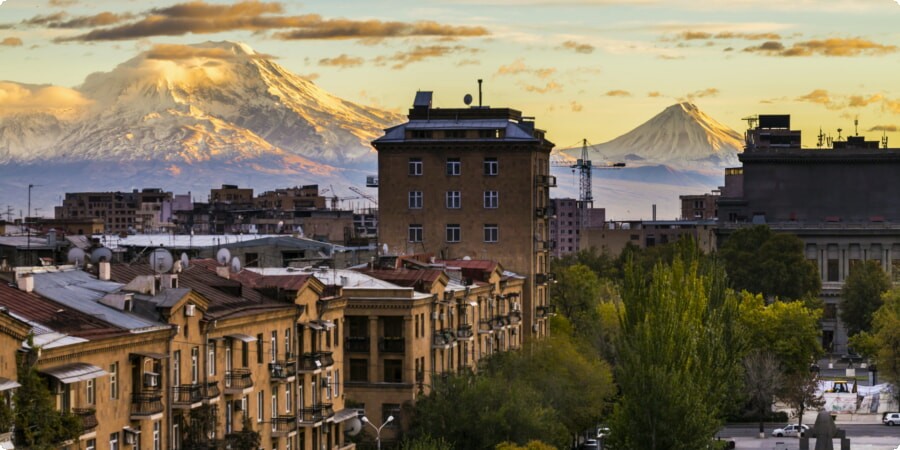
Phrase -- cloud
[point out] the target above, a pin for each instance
(468, 62)
(705, 36)
(825, 47)
(837, 101)
(518, 67)
(708, 92)
(61, 2)
(420, 53)
(176, 52)
(891, 128)
(858, 101)
(199, 17)
(97, 20)
(44, 19)
(551, 86)
(654, 94)
(11, 42)
(311, 76)
(618, 93)
(820, 96)
(576, 107)
(578, 48)
(17, 98)
(341, 61)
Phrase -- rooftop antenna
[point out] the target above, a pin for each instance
(161, 261)
(839, 133)
(479, 92)
(884, 139)
(821, 140)
(185, 261)
(235, 264)
(467, 99)
(856, 126)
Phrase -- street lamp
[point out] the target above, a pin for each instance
(377, 429)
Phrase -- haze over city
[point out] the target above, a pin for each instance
(586, 69)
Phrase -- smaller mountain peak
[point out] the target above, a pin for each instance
(685, 106)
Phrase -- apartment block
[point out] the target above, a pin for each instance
(121, 212)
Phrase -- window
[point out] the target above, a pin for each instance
(454, 166)
(287, 343)
(156, 442)
(176, 368)
(335, 385)
(454, 134)
(259, 348)
(415, 233)
(195, 369)
(415, 199)
(114, 441)
(489, 134)
(245, 354)
(273, 342)
(114, 380)
(491, 199)
(491, 166)
(176, 436)
(453, 232)
(252, 259)
(832, 269)
(393, 370)
(211, 358)
(91, 397)
(388, 410)
(491, 233)
(228, 417)
(359, 370)
(415, 167)
(91, 444)
(453, 199)
(287, 399)
(260, 406)
(274, 406)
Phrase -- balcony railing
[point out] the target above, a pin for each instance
(485, 326)
(281, 371)
(515, 317)
(544, 311)
(186, 395)
(464, 331)
(88, 417)
(357, 344)
(237, 380)
(211, 390)
(500, 321)
(546, 180)
(310, 362)
(283, 425)
(392, 345)
(316, 413)
(146, 402)
(443, 337)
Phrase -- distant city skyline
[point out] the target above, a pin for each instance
(590, 69)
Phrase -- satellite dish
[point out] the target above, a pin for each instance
(223, 256)
(467, 99)
(467, 258)
(100, 255)
(236, 264)
(353, 426)
(161, 260)
(299, 231)
(184, 261)
(279, 227)
(76, 256)
(384, 249)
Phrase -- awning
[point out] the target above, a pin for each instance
(322, 323)
(315, 326)
(130, 430)
(7, 384)
(151, 355)
(75, 372)
(345, 414)
(241, 337)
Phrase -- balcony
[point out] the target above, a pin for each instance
(515, 317)
(146, 403)
(443, 338)
(283, 426)
(315, 413)
(187, 396)
(540, 213)
(545, 180)
(211, 391)
(358, 344)
(88, 418)
(544, 278)
(282, 371)
(464, 332)
(485, 326)
(237, 381)
(544, 311)
(500, 322)
(541, 246)
(315, 361)
(392, 345)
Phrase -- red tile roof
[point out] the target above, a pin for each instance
(56, 316)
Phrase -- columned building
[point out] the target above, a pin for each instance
(469, 182)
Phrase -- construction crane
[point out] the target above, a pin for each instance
(364, 195)
(585, 190)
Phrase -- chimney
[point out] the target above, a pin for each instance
(223, 271)
(105, 272)
(654, 212)
(26, 283)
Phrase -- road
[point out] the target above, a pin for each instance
(862, 437)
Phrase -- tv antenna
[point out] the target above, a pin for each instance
(821, 140)
(223, 256)
(101, 254)
(856, 126)
(839, 133)
(884, 139)
(161, 261)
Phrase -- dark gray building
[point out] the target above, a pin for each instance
(841, 198)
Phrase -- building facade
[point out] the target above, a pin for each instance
(469, 182)
(121, 212)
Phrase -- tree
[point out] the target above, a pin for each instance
(886, 337)
(246, 439)
(677, 356)
(39, 426)
(861, 295)
(772, 264)
(531, 445)
(799, 391)
(762, 376)
(789, 330)
(576, 294)
(425, 442)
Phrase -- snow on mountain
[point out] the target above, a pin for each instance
(681, 136)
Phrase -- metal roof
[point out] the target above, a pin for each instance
(74, 372)
(7, 384)
(348, 279)
(211, 240)
(24, 242)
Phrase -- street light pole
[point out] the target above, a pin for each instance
(377, 429)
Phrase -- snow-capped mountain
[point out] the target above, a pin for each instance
(188, 118)
(681, 137)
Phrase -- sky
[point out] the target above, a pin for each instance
(585, 69)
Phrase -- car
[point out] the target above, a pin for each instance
(590, 444)
(891, 419)
(790, 430)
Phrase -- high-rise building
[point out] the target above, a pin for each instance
(470, 182)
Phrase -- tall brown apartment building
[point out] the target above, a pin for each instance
(121, 212)
(470, 182)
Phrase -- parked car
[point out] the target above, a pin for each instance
(891, 419)
(790, 430)
(590, 444)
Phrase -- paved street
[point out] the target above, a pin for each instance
(865, 433)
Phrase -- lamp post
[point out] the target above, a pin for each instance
(377, 429)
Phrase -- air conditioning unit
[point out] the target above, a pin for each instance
(189, 310)
(151, 379)
(131, 436)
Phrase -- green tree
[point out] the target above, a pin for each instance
(39, 426)
(772, 264)
(576, 295)
(678, 357)
(886, 337)
(425, 442)
(762, 376)
(789, 330)
(799, 391)
(246, 439)
(861, 295)
(531, 445)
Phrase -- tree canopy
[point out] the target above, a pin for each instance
(38, 424)
(789, 330)
(772, 264)
(861, 295)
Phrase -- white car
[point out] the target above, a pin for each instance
(891, 419)
(790, 430)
